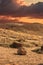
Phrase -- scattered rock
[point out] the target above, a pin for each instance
(42, 48)
(16, 45)
(21, 51)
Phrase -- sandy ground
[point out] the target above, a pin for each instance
(9, 56)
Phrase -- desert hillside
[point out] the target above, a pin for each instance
(29, 35)
(33, 28)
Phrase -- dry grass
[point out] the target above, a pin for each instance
(29, 40)
(7, 37)
(9, 55)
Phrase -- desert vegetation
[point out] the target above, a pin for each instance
(20, 45)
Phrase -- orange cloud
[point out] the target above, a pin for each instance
(19, 2)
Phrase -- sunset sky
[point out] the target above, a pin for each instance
(32, 1)
(22, 10)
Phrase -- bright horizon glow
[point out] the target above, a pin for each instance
(22, 19)
(29, 2)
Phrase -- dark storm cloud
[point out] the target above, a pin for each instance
(8, 8)
(35, 10)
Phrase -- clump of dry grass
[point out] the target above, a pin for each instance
(4, 45)
(39, 50)
(34, 43)
(8, 38)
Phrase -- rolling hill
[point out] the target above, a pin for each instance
(33, 28)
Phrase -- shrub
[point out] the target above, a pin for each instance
(15, 45)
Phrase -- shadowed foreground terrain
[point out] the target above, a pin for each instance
(29, 35)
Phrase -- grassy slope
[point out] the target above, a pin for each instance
(32, 34)
(30, 37)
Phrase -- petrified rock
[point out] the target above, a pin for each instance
(21, 51)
